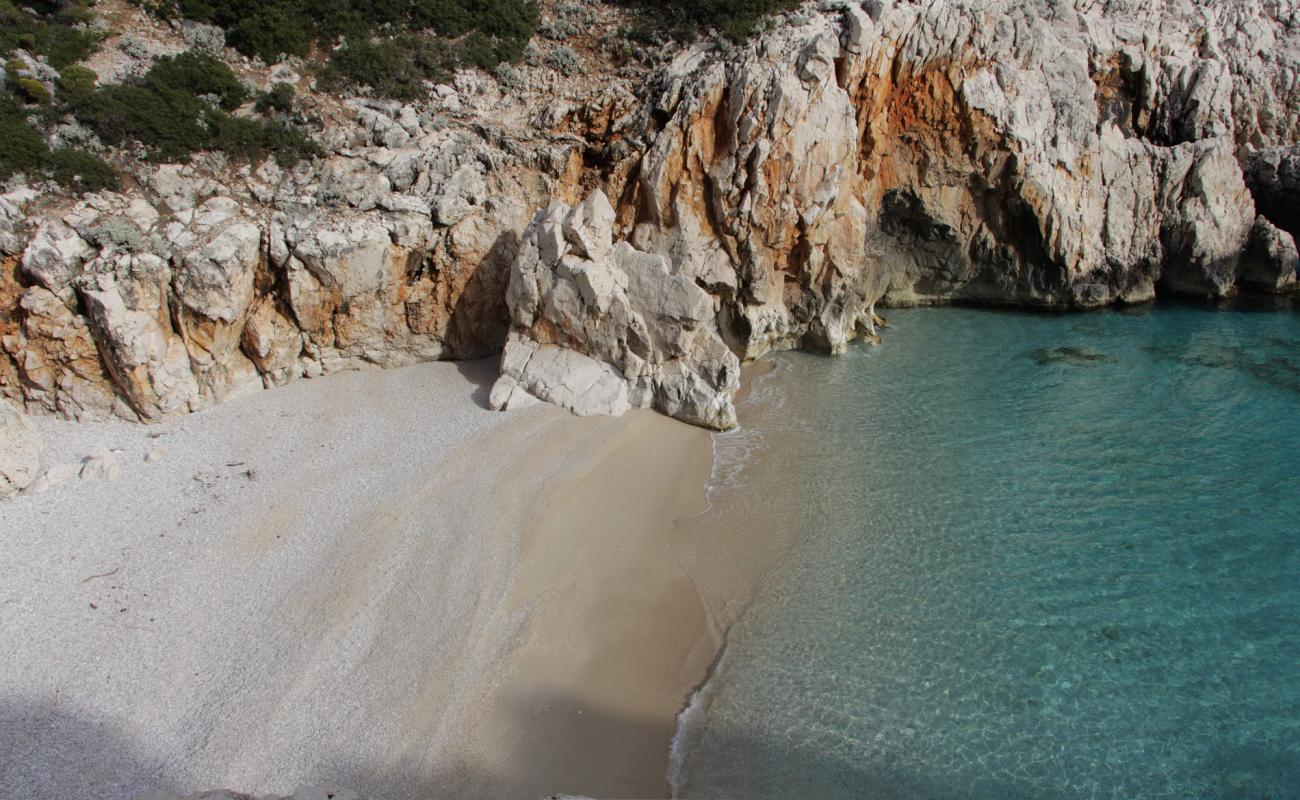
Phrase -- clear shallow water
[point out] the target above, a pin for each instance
(1022, 571)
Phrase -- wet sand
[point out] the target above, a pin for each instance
(366, 581)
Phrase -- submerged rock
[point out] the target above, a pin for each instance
(1077, 356)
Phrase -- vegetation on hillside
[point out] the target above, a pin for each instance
(56, 32)
(188, 103)
(182, 105)
(392, 46)
(23, 149)
(683, 19)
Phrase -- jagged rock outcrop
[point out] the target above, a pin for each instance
(599, 327)
(1273, 175)
(1270, 260)
(1068, 155)
(192, 290)
(1059, 153)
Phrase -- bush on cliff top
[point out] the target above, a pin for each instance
(48, 32)
(398, 66)
(79, 170)
(384, 42)
(23, 149)
(735, 19)
(168, 111)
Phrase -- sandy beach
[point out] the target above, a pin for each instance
(365, 581)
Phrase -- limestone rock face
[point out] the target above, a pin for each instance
(273, 343)
(20, 451)
(740, 199)
(56, 359)
(1273, 175)
(193, 291)
(54, 255)
(1271, 260)
(599, 327)
(1064, 155)
(215, 260)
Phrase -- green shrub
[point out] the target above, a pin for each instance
(76, 84)
(564, 60)
(165, 111)
(269, 32)
(502, 19)
(196, 74)
(379, 35)
(396, 67)
(735, 19)
(279, 98)
(170, 123)
(272, 29)
(47, 32)
(85, 172)
(238, 137)
(289, 145)
(478, 50)
(22, 149)
(32, 90)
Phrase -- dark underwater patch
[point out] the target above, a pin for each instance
(1278, 366)
(1071, 354)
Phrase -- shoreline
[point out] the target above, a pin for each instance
(392, 590)
(671, 628)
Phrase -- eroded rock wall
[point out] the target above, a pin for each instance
(1052, 153)
(191, 289)
(1055, 154)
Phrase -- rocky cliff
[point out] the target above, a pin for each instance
(629, 238)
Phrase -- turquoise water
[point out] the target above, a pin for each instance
(1040, 557)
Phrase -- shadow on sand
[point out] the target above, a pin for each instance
(48, 751)
(481, 374)
(555, 747)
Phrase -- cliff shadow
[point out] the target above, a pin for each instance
(559, 745)
(548, 746)
(552, 745)
(51, 752)
(479, 319)
(481, 374)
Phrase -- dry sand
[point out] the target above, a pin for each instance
(366, 581)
